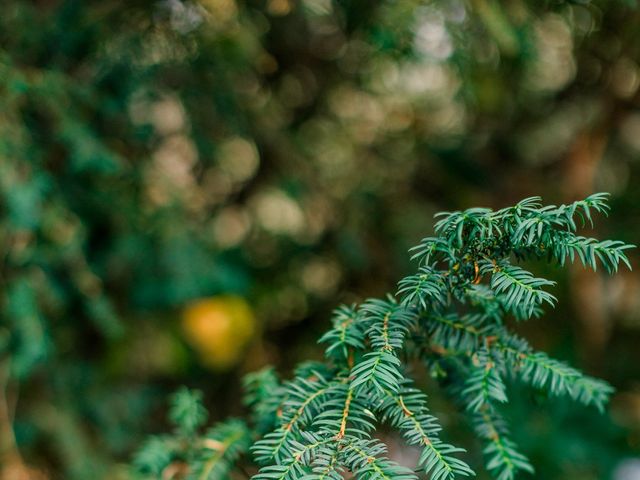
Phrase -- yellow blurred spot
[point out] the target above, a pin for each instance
(279, 7)
(219, 329)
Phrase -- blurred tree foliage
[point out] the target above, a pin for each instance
(157, 153)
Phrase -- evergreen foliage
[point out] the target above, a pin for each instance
(452, 317)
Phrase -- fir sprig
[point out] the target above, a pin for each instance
(451, 315)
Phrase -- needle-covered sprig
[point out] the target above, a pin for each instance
(450, 316)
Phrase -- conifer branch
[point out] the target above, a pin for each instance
(452, 315)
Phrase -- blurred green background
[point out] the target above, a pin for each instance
(188, 188)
